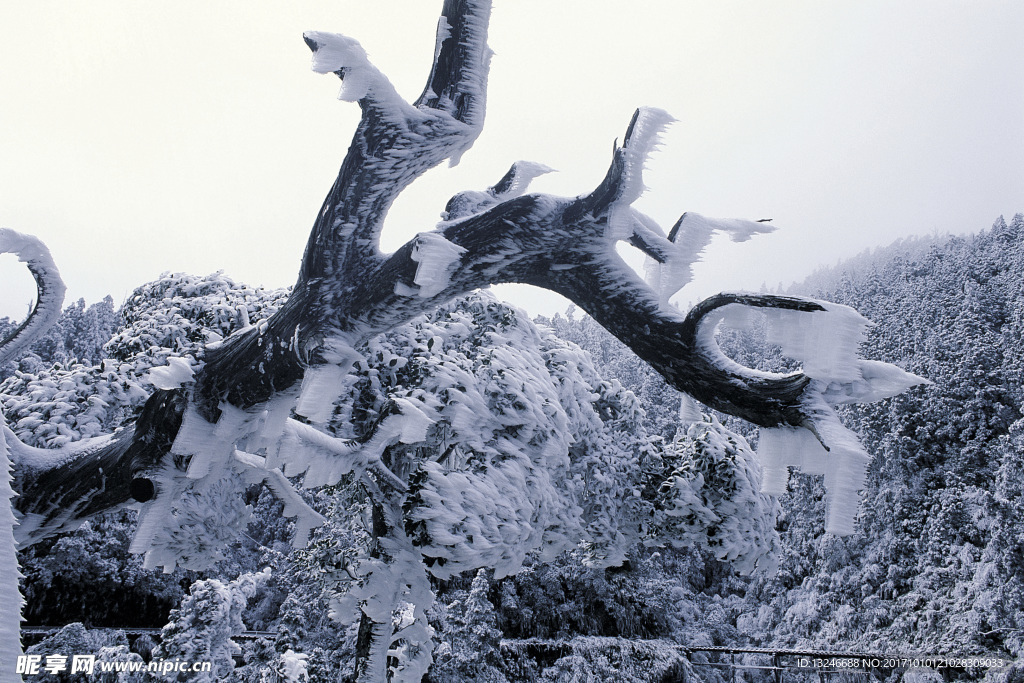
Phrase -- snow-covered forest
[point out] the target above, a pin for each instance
(934, 566)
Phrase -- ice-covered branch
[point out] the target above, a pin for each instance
(565, 245)
(49, 286)
(396, 141)
(62, 487)
(348, 291)
(324, 459)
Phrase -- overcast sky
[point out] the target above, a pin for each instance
(143, 137)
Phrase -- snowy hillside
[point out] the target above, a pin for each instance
(936, 563)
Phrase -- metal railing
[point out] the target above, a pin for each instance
(773, 662)
(44, 631)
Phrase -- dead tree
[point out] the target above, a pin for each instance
(348, 291)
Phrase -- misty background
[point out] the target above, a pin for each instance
(142, 138)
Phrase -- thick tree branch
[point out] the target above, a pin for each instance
(395, 142)
(347, 291)
(61, 487)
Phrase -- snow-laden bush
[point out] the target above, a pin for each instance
(171, 317)
(529, 453)
(75, 639)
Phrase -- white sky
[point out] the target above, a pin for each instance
(192, 136)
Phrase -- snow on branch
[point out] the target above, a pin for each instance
(513, 184)
(324, 459)
(436, 260)
(177, 372)
(669, 267)
(361, 80)
(825, 338)
(30, 250)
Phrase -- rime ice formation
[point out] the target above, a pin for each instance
(176, 373)
(668, 267)
(473, 441)
(10, 595)
(688, 238)
(48, 282)
(324, 459)
(513, 184)
(437, 258)
(344, 56)
(320, 387)
(198, 512)
(642, 139)
(689, 412)
(826, 342)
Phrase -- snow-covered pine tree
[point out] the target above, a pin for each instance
(474, 653)
(201, 629)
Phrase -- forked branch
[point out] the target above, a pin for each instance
(347, 291)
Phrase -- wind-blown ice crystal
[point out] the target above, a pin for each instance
(826, 343)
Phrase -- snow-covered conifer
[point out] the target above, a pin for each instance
(201, 629)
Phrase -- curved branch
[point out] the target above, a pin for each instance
(49, 286)
(395, 142)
